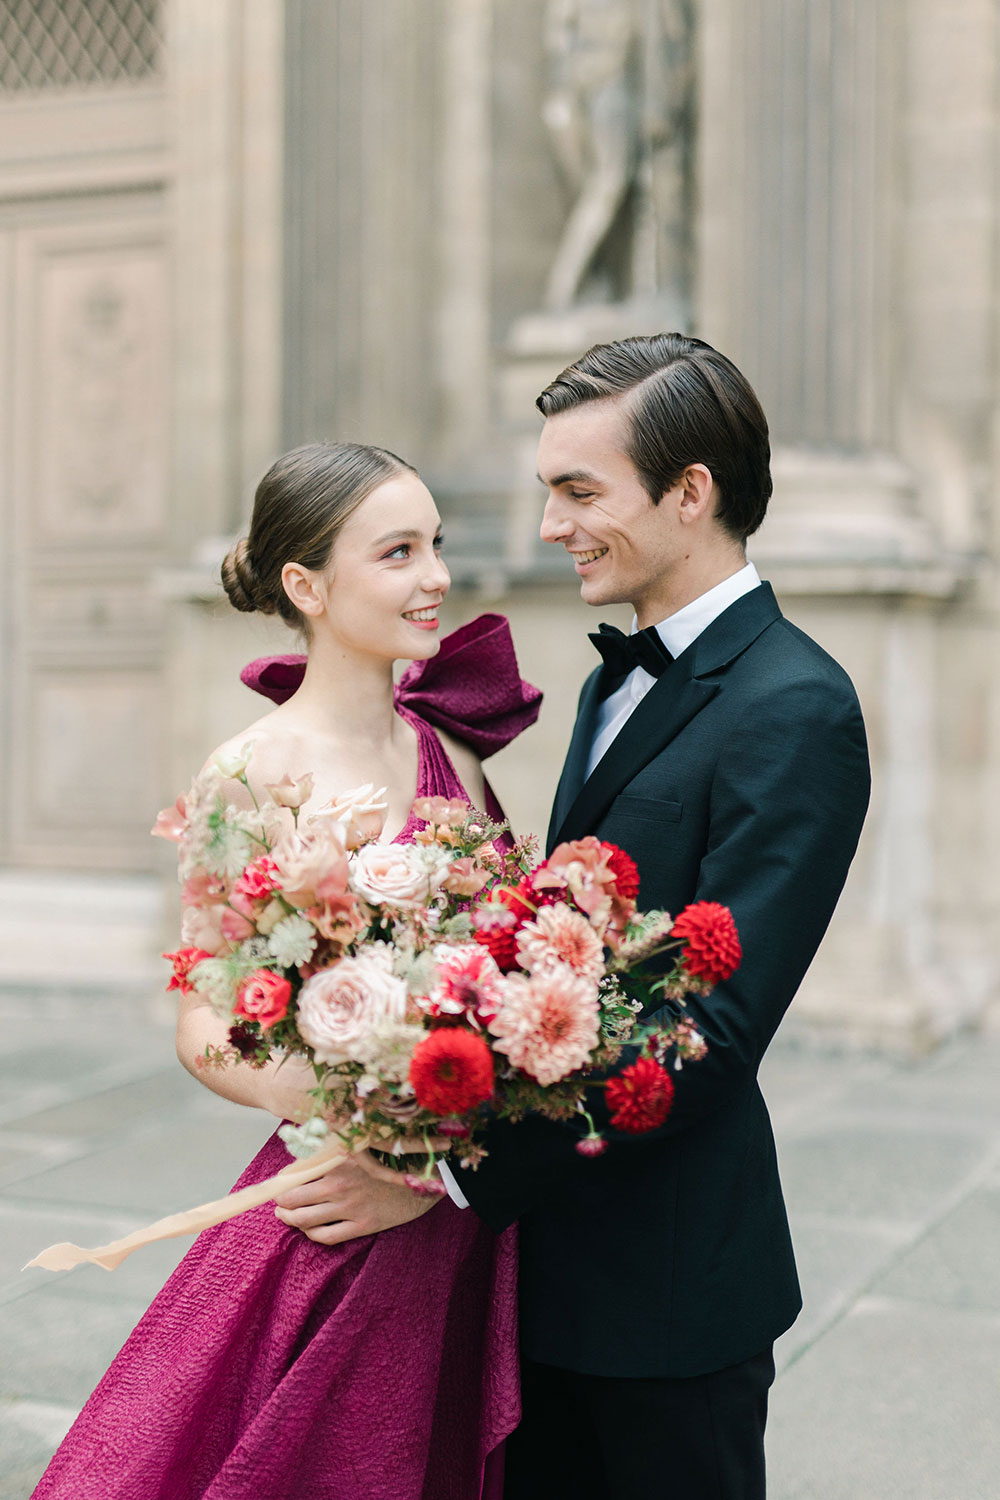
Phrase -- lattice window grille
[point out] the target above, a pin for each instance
(75, 43)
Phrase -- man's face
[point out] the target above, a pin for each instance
(622, 545)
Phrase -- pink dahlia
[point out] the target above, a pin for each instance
(560, 935)
(548, 1022)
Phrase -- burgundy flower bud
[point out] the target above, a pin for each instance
(453, 1130)
(592, 1145)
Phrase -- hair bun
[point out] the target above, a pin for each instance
(239, 579)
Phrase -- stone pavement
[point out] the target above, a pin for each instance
(888, 1386)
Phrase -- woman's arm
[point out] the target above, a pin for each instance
(469, 768)
(280, 1086)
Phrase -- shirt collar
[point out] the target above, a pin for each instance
(678, 630)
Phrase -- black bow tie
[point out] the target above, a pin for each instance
(623, 653)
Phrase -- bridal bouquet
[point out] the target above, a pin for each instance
(431, 983)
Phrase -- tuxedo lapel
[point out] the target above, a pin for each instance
(688, 684)
(574, 772)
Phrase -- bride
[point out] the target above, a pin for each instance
(290, 1358)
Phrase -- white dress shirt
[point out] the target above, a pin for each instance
(676, 632)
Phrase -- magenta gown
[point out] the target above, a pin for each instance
(273, 1368)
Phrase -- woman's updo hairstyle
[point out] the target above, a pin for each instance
(299, 509)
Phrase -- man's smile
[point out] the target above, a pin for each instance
(583, 559)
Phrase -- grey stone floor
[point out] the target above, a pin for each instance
(888, 1385)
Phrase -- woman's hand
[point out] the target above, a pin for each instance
(356, 1197)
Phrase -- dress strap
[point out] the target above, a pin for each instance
(472, 688)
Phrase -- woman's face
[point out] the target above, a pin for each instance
(385, 579)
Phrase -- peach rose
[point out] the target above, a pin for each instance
(340, 1007)
(397, 874)
(443, 812)
(289, 793)
(360, 812)
(311, 864)
(464, 877)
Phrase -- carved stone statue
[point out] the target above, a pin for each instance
(619, 111)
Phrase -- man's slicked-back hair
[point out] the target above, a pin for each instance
(685, 404)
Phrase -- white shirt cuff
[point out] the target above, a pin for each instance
(454, 1191)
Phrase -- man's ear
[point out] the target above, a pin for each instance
(302, 586)
(698, 494)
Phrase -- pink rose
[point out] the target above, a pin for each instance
(311, 864)
(263, 997)
(201, 927)
(405, 875)
(340, 1007)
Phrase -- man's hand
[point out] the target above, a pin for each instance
(358, 1196)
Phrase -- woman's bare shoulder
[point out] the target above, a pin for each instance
(268, 749)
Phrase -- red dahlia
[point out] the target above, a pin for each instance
(640, 1097)
(711, 943)
(499, 935)
(625, 870)
(451, 1071)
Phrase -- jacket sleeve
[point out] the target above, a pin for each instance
(787, 802)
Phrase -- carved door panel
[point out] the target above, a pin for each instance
(84, 523)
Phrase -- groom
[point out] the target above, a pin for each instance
(725, 751)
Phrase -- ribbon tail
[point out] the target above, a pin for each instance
(64, 1256)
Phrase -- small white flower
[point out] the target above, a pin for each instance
(229, 850)
(292, 942)
(389, 1049)
(214, 979)
(303, 1140)
(233, 763)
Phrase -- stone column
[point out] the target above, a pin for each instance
(226, 76)
(847, 263)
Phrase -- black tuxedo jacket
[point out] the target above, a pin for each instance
(742, 777)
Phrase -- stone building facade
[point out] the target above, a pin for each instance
(228, 227)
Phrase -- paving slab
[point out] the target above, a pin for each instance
(887, 1383)
(30, 1431)
(837, 1262)
(53, 1343)
(957, 1264)
(898, 1400)
(857, 1170)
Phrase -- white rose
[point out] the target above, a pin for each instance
(361, 812)
(404, 875)
(233, 763)
(340, 1007)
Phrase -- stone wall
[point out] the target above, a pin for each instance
(307, 218)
